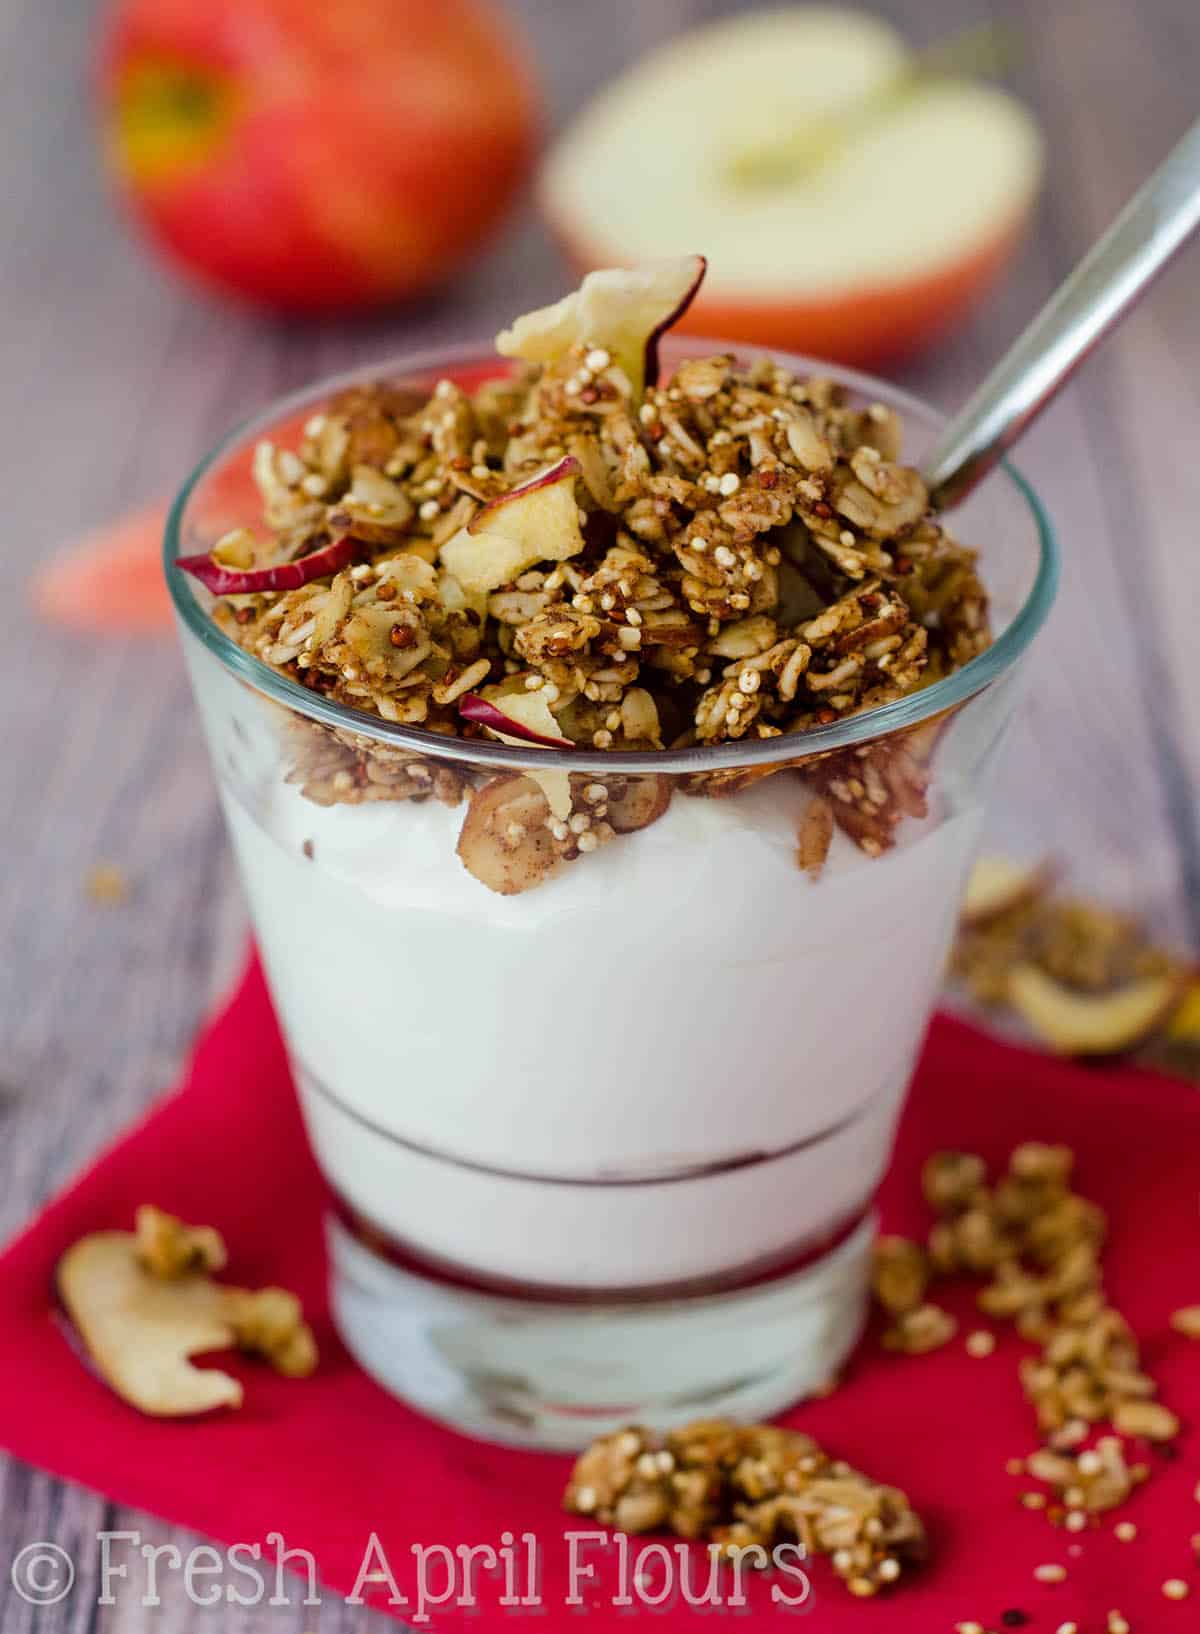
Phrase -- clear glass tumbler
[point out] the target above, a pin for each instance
(606, 1149)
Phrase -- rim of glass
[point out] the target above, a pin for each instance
(871, 724)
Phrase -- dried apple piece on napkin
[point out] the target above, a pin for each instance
(144, 1305)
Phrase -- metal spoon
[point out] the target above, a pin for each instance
(1115, 272)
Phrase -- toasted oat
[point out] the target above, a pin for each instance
(915, 1332)
(1146, 1418)
(757, 1485)
(1186, 1320)
(900, 1274)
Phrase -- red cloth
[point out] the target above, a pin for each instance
(329, 1460)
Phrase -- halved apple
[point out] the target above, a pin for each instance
(504, 840)
(1091, 1023)
(623, 311)
(858, 246)
(538, 521)
(997, 885)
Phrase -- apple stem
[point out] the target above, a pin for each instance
(797, 153)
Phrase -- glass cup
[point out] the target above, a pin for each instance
(606, 1149)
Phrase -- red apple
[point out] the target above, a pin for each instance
(316, 155)
(852, 203)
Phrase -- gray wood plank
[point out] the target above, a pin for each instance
(114, 381)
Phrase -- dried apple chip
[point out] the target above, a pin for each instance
(623, 310)
(144, 1305)
(1091, 1023)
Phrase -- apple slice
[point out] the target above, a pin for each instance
(636, 802)
(109, 582)
(504, 840)
(622, 311)
(1093, 1023)
(538, 521)
(517, 717)
(879, 248)
(230, 581)
(524, 717)
(997, 885)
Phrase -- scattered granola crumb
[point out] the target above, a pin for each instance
(918, 1331)
(900, 1274)
(1187, 1321)
(1125, 1531)
(107, 885)
(1067, 1628)
(1146, 1418)
(1175, 1589)
(1051, 1573)
(1116, 1623)
(980, 1343)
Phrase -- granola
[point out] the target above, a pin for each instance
(1036, 1243)
(1085, 979)
(572, 555)
(749, 1489)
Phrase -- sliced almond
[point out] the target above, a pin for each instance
(1091, 1024)
(504, 840)
(636, 802)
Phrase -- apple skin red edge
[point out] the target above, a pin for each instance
(229, 581)
(650, 363)
(485, 713)
(568, 466)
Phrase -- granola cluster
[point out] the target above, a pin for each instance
(739, 555)
(748, 1489)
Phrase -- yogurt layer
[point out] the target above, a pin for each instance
(677, 1059)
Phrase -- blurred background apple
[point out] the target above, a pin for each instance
(316, 155)
(854, 199)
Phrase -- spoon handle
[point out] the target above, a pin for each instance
(1119, 267)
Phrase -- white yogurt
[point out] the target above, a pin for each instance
(677, 1059)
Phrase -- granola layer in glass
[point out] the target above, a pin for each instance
(578, 553)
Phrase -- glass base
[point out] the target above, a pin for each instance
(533, 1372)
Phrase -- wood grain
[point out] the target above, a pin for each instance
(114, 381)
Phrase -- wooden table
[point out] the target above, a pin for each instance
(114, 381)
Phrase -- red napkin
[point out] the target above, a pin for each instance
(326, 1462)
